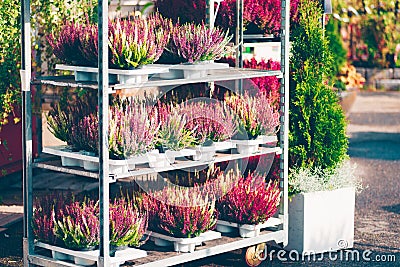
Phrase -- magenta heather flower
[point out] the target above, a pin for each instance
(138, 41)
(181, 211)
(66, 43)
(78, 225)
(127, 222)
(132, 130)
(193, 43)
(209, 121)
(250, 201)
(85, 134)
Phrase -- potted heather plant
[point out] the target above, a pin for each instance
(248, 205)
(78, 227)
(181, 215)
(132, 130)
(128, 223)
(212, 123)
(172, 136)
(256, 116)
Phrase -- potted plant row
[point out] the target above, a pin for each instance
(66, 225)
(137, 42)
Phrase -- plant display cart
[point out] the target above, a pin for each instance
(148, 255)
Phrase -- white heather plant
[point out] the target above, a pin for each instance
(305, 180)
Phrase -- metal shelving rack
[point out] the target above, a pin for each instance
(156, 258)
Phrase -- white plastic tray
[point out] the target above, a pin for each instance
(247, 230)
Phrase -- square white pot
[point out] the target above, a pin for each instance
(321, 221)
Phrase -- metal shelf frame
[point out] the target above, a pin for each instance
(30, 258)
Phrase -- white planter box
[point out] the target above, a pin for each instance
(160, 160)
(247, 230)
(183, 244)
(268, 140)
(224, 146)
(321, 221)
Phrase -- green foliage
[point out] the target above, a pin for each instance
(10, 59)
(317, 124)
(336, 45)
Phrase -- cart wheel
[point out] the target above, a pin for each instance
(255, 254)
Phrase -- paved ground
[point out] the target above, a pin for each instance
(374, 132)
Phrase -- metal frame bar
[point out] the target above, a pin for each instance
(26, 128)
(104, 247)
(284, 105)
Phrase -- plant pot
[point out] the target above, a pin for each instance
(61, 256)
(247, 230)
(347, 99)
(83, 262)
(247, 147)
(322, 221)
(204, 153)
(243, 232)
(224, 228)
(156, 159)
(268, 140)
(224, 146)
(70, 162)
(184, 244)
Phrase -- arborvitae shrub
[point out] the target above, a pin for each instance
(317, 124)
(336, 45)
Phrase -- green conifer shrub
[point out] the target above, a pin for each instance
(317, 136)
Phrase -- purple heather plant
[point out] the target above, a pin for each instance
(89, 44)
(47, 208)
(251, 201)
(256, 115)
(181, 211)
(209, 121)
(78, 225)
(193, 43)
(132, 130)
(127, 222)
(85, 135)
(66, 44)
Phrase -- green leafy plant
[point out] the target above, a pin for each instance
(10, 60)
(317, 124)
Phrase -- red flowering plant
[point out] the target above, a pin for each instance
(78, 225)
(210, 122)
(181, 211)
(128, 222)
(250, 201)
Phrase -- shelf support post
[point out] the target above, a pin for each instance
(26, 129)
(284, 112)
(104, 247)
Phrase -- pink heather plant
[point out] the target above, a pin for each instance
(45, 210)
(256, 115)
(137, 42)
(78, 225)
(193, 43)
(209, 121)
(251, 201)
(85, 135)
(132, 130)
(127, 223)
(181, 211)
(66, 43)
(89, 44)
